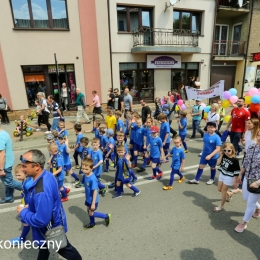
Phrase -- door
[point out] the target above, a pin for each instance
(221, 36)
(146, 25)
(235, 47)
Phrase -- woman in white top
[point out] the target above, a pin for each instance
(213, 116)
(45, 111)
(65, 96)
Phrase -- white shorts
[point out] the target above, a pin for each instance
(227, 180)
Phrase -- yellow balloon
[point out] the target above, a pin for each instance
(205, 115)
(227, 118)
(248, 100)
(225, 103)
(177, 108)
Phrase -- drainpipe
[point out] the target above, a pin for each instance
(110, 45)
(247, 47)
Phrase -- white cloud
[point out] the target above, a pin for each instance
(22, 13)
(38, 12)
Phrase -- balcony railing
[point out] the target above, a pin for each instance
(157, 36)
(229, 48)
(234, 3)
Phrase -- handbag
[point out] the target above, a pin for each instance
(250, 181)
(55, 237)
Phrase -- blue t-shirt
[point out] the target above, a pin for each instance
(210, 144)
(111, 143)
(96, 132)
(85, 152)
(7, 146)
(165, 128)
(97, 156)
(56, 163)
(63, 133)
(66, 156)
(79, 136)
(183, 122)
(195, 110)
(155, 146)
(177, 156)
(126, 127)
(139, 134)
(132, 134)
(91, 184)
(148, 135)
(104, 140)
(120, 124)
(122, 169)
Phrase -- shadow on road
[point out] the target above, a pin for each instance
(197, 253)
(223, 221)
(81, 214)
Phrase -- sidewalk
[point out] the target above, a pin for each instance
(38, 139)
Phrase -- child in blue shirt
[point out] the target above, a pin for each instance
(165, 133)
(119, 122)
(92, 196)
(155, 150)
(123, 173)
(165, 109)
(26, 182)
(135, 116)
(97, 157)
(95, 129)
(210, 153)
(138, 140)
(78, 148)
(61, 130)
(110, 148)
(178, 160)
(182, 122)
(56, 168)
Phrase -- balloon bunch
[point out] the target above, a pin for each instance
(181, 104)
(252, 98)
(229, 97)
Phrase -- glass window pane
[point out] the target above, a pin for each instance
(21, 13)
(121, 19)
(40, 15)
(176, 20)
(134, 24)
(192, 65)
(59, 14)
(128, 66)
(195, 23)
(185, 21)
(146, 18)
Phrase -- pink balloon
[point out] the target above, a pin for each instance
(183, 107)
(162, 101)
(247, 94)
(253, 91)
(203, 105)
(180, 102)
(233, 99)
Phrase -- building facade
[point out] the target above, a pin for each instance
(32, 31)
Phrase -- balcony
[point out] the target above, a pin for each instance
(229, 50)
(233, 8)
(156, 40)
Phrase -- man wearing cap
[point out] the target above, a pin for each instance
(196, 115)
(6, 164)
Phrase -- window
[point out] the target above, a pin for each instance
(187, 21)
(130, 19)
(49, 14)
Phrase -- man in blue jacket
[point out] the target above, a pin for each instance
(44, 209)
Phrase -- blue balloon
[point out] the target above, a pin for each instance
(233, 91)
(255, 99)
(207, 109)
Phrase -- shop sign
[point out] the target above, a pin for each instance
(52, 68)
(256, 56)
(163, 61)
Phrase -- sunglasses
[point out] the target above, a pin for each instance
(227, 151)
(23, 160)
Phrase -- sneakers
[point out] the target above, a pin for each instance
(108, 219)
(67, 191)
(159, 176)
(116, 196)
(88, 122)
(64, 199)
(141, 169)
(167, 187)
(192, 137)
(16, 241)
(134, 165)
(186, 151)
(6, 201)
(88, 226)
(218, 209)
(112, 185)
(136, 193)
(240, 227)
(152, 177)
(38, 129)
(209, 182)
(106, 170)
(181, 179)
(193, 181)
(112, 165)
(75, 167)
(47, 132)
(78, 184)
(256, 214)
(104, 191)
(200, 154)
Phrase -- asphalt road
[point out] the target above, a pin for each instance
(158, 224)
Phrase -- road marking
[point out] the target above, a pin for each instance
(79, 195)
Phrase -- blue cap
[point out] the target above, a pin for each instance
(198, 99)
(110, 131)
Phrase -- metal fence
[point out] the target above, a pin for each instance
(229, 48)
